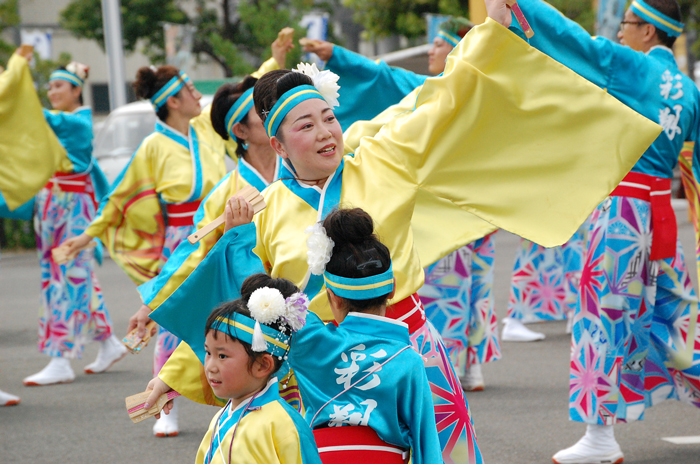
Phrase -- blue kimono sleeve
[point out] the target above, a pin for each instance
(368, 87)
(74, 131)
(216, 280)
(24, 212)
(415, 404)
(150, 289)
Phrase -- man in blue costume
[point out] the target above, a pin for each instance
(634, 328)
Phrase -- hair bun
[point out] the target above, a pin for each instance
(352, 226)
(145, 83)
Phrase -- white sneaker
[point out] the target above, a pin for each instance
(57, 371)
(111, 351)
(570, 324)
(472, 380)
(166, 426)
(515, 331)
(7, 399)
(598, 446)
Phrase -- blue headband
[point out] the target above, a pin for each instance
(286, 103)
(671, 27)
(62, 74)
(238, 111)
(364, 288)
(449, 37)
(172, 87)
(242, 327)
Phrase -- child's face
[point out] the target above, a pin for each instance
(226, 367)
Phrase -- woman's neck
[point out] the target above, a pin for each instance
(179, 123)
(263, 159)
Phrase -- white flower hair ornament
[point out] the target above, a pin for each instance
(268, 305)
(320, 248)
(79, 69)
(326, 82)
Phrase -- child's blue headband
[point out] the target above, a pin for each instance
(449, 37)
(364, 288)
(671, 27)
(242, 327)
(238, 111)
(286, 103)
(62, 74)
(172, 87)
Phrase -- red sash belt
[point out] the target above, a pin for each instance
(182, 214)
(656, 191)
(356, 444)
(68, 182)
(410, 311)
(77, 183)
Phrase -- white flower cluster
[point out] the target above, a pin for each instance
(320, 248)
(326, 82)
(79, 69)
(268, 305)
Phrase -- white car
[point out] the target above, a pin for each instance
(123, 131)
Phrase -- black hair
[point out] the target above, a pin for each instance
(226, 96)
(357, 251)
(149, 81)
(80, 97)
(271, 86)
(670, 8)
(240, 306)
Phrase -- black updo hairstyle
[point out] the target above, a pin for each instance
(149, 82)
(670, 8)
(357, 251)
(240, 306)
(80, 97)
(224, 99)
(271, 86)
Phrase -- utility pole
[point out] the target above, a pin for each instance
(114, 45)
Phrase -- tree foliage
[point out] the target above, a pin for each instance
(9, 17)
(235, 34)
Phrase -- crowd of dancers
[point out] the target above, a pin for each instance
(345, 320)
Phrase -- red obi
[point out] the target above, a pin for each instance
(356, 444)
(65, 182)
(656, 191)
(182, 214)
(410, 311)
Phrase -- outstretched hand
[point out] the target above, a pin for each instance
(499, 11)
(322, 49)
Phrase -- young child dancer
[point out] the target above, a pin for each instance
(246, 342)
(366, 377)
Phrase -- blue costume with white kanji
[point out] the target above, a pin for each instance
(634, 327)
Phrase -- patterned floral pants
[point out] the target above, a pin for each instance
(636, 336)
(545, 281)
(458, 300)
(165, 341)
(73, 312)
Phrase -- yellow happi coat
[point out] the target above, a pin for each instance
(164, 169)
(546, 146)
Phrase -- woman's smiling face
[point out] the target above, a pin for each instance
(311, 139)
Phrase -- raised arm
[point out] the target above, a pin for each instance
(509, 135)
(30, 150)
(368, 87)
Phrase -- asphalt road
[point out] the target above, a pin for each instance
(521, 417)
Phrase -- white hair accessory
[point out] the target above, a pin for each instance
(320, 248)
(326, 82)
(266, 305)
(297, 307)
(79, 69)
